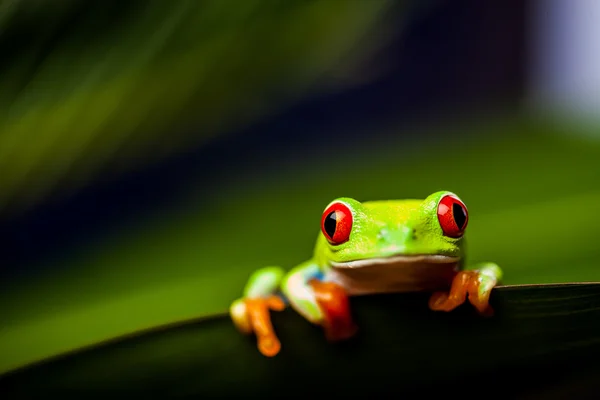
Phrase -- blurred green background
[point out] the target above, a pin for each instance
(153, 154)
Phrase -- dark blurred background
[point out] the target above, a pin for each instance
(152, 154)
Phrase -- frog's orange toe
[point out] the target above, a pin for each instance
(466, 284)
(338, 332)
(335, 305)
(239, 315)
(259, 317)
(482, 304)
(439, 301)
(269, 346)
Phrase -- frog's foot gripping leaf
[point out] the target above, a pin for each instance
(335, 306)
(476, 285)
(252, 315)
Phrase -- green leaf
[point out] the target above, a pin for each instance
(194, 259)
(402, 348)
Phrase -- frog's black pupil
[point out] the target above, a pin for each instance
(460, 215)
(331, 223)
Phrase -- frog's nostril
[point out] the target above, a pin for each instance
(383, 235)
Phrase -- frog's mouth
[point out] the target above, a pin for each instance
(399, 260)
(400, 273)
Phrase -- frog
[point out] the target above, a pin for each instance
(367, 248)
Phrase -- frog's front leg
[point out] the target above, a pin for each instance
(476, 285)
(251, 313)
(320, 302)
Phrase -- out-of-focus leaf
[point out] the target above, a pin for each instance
(89, 85)
(539, 341)
(196, 260)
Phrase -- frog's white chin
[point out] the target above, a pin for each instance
(400, 273)
(398, 260)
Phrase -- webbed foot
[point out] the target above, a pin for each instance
(252, 315)
(475, 285)
(335, 305)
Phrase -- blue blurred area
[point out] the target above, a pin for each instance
(455, 58)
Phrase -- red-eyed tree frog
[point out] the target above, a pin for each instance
(367, 248)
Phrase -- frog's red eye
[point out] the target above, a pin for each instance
(453, 216)
(336, 223)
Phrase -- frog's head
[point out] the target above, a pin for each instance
(355, 234)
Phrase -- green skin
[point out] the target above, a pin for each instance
(394, 246)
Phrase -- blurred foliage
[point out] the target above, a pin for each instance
(88, 85)
(530, 190)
